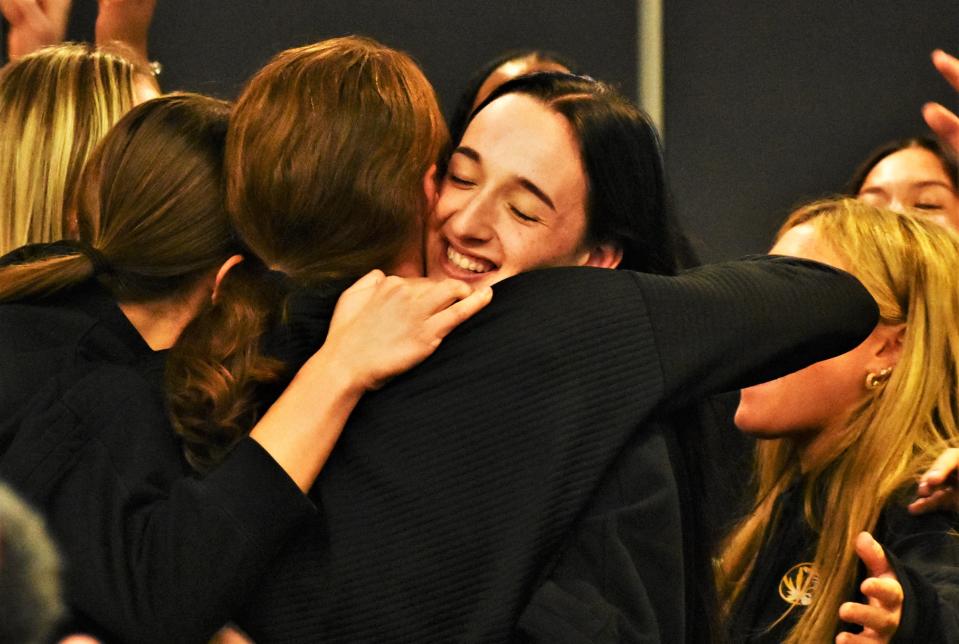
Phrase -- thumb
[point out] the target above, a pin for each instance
(872, 555)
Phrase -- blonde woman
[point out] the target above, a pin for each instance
(830, 545)
(55, 105)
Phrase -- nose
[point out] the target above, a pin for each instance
(474, 222)
(897, 204)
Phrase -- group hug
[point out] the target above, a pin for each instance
(318, 366)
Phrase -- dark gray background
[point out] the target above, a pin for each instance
(766, 104)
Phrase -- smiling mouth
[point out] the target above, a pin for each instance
(471, 264)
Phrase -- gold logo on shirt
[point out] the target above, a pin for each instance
(798, 585)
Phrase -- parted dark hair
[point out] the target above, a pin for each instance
(464, 106)
(327, 151)
(628, 202)
(150, 208)
(946, 157)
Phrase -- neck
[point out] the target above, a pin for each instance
(815, 449)
(160, 323)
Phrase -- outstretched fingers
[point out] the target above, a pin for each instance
(882, 612)
(941, 120)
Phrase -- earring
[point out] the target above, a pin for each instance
(874, 380)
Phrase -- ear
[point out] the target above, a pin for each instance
(604, 256)
(224, 269)
(431, 187)
(889, 341)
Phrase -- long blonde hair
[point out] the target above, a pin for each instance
(909, 265)
(55, 106)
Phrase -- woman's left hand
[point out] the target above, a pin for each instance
(881, 616)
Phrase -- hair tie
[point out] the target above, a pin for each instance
(100, 264)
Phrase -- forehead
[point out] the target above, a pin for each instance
(518, 135)
(804, 241)
(910, 165)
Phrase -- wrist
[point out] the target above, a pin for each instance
(331, 369)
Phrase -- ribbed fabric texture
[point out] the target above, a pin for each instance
(453, 486)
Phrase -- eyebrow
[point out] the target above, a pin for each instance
(931, 183)
(538, 192)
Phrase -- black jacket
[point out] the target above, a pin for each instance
(454, 488)
(923, 551)
(151, 553)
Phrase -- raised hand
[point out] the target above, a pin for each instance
(942, 121)
(127, 22)
(937, 487)
(34, 24)
(880, 617)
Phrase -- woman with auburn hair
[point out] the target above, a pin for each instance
(841, 444)
(55, 105)
(153, 554)
(457, 482)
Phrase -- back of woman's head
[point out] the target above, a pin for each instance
(326, 156)
(150, 208)
(627, 202)
(55, 105)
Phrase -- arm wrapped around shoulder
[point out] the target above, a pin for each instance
(736, 324)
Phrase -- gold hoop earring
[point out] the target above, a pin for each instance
(874, 380)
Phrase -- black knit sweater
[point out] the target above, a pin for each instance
(453, 488)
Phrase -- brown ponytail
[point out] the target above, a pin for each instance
(215, 369)
(149, 208)
(44, 276)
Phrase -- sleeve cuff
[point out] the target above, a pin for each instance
(257, 492)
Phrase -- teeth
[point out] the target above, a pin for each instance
(462, 261)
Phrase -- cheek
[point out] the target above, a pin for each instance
(952, 212)
(560, 246)
(802, 402)
(446, 204)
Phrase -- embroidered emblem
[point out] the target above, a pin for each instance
(798, 585)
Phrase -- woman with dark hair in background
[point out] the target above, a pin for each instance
(506, 66)
(459, 482)
(917, 173)
(153, 554)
